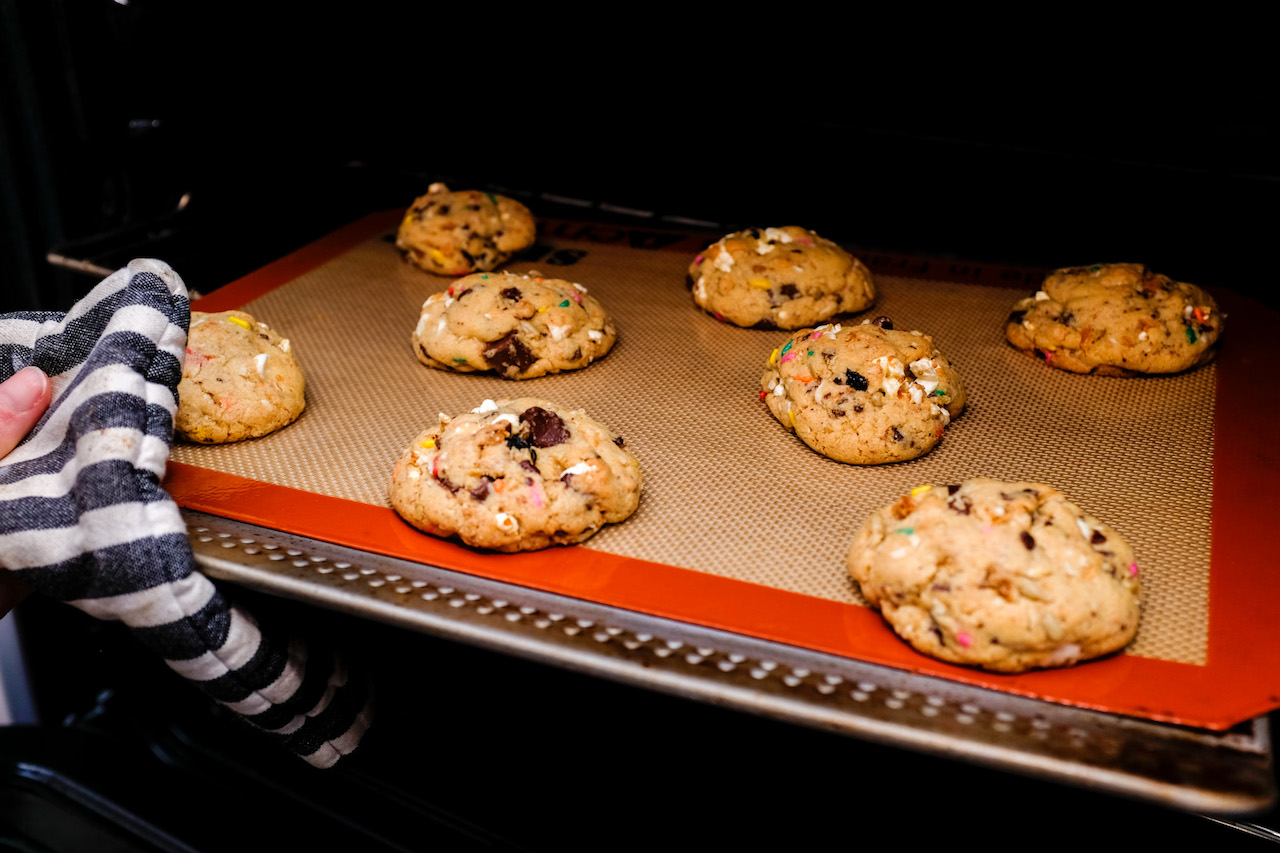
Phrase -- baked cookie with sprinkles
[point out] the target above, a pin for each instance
(1003, 576)
(516, 475)
(518, 326)
(863, 393)
(1117, 320)
(785, 278)
(240, 380)
(455, 233)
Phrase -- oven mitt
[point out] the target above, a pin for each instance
(83, 518)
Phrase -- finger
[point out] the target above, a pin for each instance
(23, 399)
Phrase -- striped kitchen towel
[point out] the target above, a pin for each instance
(83, 517)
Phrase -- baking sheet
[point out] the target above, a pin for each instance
(742, 527)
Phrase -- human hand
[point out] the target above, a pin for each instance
(24, 397)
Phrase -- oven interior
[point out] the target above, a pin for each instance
(132, 129)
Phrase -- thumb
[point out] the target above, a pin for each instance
(23, 399)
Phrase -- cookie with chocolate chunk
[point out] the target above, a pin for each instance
(1003, 576)
(784, 278)
(455, 233)
(516, 475)
(240, 380)
(1117, 320)
(518, 326)
(863, 393)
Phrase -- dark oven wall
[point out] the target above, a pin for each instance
(267, 129)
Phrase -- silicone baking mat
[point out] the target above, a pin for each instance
(741, 526)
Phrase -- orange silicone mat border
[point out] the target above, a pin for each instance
(1240, 680)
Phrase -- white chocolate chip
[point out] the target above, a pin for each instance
(486, 406)
(890, 365)
(777, 235)
(558, 332)
(580, 468)
(1031, 589)
(724, 261)
(926, 373)
(261, 361)
(506, 523)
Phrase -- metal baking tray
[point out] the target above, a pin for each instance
(1224, 774)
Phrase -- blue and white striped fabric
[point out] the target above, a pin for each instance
(83, 517)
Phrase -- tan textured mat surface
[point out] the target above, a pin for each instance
(728, 491)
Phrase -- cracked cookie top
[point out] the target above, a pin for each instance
(516, 475)
(1117, 320)
(1004, 576)
(784, 278)
(455, 233)
(518, 326)
(863, 393)
(240, 379)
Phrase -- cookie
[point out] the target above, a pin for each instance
(863, 393)
(518, 326)
(1117, 320)
(240, 380)
(1003, 576)
(785, 278)
(455, 233)
(516, 475)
